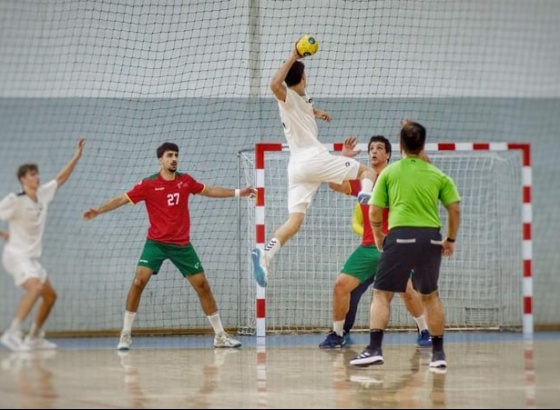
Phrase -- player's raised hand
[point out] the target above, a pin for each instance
(80, 147)
(5, 235)
(348, 147)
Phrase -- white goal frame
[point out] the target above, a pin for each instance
(262, 149)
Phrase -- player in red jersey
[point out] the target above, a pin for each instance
(166, 195)
(360, 268)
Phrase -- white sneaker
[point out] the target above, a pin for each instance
(125, 341)
(14, 341)
(225, 340)
(39, 342)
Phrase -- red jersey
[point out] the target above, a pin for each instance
(368, 238)
(167, 204)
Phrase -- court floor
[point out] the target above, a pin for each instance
(486, 370)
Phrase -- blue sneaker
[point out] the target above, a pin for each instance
(368, 357)
(363, 197)
(424, 339)
(333, 341)
(347, 339)
(259, 268)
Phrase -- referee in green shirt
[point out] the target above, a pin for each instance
(411, 189)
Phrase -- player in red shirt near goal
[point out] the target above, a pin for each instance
(166, 195)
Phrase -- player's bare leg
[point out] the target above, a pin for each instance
(413, 303)
(208, 303)
(141, 279)
(379, 313)
(435, 316)
(343, 287)
(36, 337)
(13, 336)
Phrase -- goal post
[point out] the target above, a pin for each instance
(487, 284)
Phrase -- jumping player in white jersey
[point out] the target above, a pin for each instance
(310, 162)
(26, 214)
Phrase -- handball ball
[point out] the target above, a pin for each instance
(307, 45)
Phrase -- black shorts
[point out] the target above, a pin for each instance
(407, 249)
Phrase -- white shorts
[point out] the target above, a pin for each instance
(22, 268)
(305, 175)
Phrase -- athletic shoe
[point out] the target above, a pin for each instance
(368, 357)
(14, 341)
(424, 339)
(125, 341)
(260, 272)
(438, 360)
(333, 341)
(363, 197)
(39, 342)
(347, 339)
(225, 340)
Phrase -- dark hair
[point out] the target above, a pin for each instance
(25, 168)
(295, 74)
(413, 137)
(166, 146)
(385, 141)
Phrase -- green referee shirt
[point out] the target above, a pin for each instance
(411, 188)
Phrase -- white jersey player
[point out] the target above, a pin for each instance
(26, 214)
(310, 162)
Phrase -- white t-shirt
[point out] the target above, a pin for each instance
(300, 126)
(26, 219)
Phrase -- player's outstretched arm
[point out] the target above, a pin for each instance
(219, 192)
(277, 83)
(65, 173)
(5, 235)
(109, 206)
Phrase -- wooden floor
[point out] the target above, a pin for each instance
(487, 372)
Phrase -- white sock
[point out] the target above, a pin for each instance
(128, 321)
(15, 326)
(216, 323)
(34, 332)
(421, 322)
(367, 185)
(338, 327)
(271, 248)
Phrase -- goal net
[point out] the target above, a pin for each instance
(481, 285)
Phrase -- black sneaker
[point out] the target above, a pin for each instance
(368, 357)
(438, 360)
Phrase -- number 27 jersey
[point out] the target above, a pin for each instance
(167, 204)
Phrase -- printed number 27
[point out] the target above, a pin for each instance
(173, 199)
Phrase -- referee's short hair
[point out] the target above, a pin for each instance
(413, 137)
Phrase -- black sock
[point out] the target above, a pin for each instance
(375, 339)
(437, 343)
